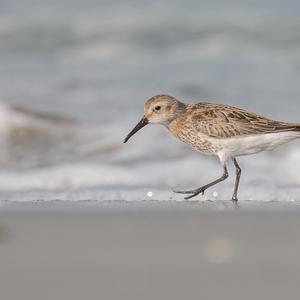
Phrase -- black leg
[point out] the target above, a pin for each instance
(205, 187)
(237, 180)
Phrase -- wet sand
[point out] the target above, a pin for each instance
(149, 250)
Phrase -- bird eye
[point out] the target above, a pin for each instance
(157, 108)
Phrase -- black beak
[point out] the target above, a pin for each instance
(139, 126)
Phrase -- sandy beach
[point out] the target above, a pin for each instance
(149, 250)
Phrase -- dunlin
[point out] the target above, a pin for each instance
(216, 129)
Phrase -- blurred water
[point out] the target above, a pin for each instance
(74, 76)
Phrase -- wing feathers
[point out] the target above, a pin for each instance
(223, 121)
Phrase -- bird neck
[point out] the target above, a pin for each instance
(174, 125)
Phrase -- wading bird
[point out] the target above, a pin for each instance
(216, 129)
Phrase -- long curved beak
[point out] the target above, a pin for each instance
(139, 126)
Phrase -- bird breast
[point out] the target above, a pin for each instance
(193, 138)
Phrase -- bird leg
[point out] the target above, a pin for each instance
(205, 187)
(237, 180)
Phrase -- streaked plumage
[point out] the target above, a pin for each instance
(216, 129)
(223, 121)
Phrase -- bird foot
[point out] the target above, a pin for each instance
(193, 192)
(234, 198)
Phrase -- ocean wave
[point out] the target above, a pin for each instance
(157, 30)
(94, 65)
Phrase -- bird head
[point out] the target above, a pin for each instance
(160, 109)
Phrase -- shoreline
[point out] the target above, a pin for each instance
(149, 250)
(145, 206)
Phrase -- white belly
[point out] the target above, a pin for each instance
(246, 145)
